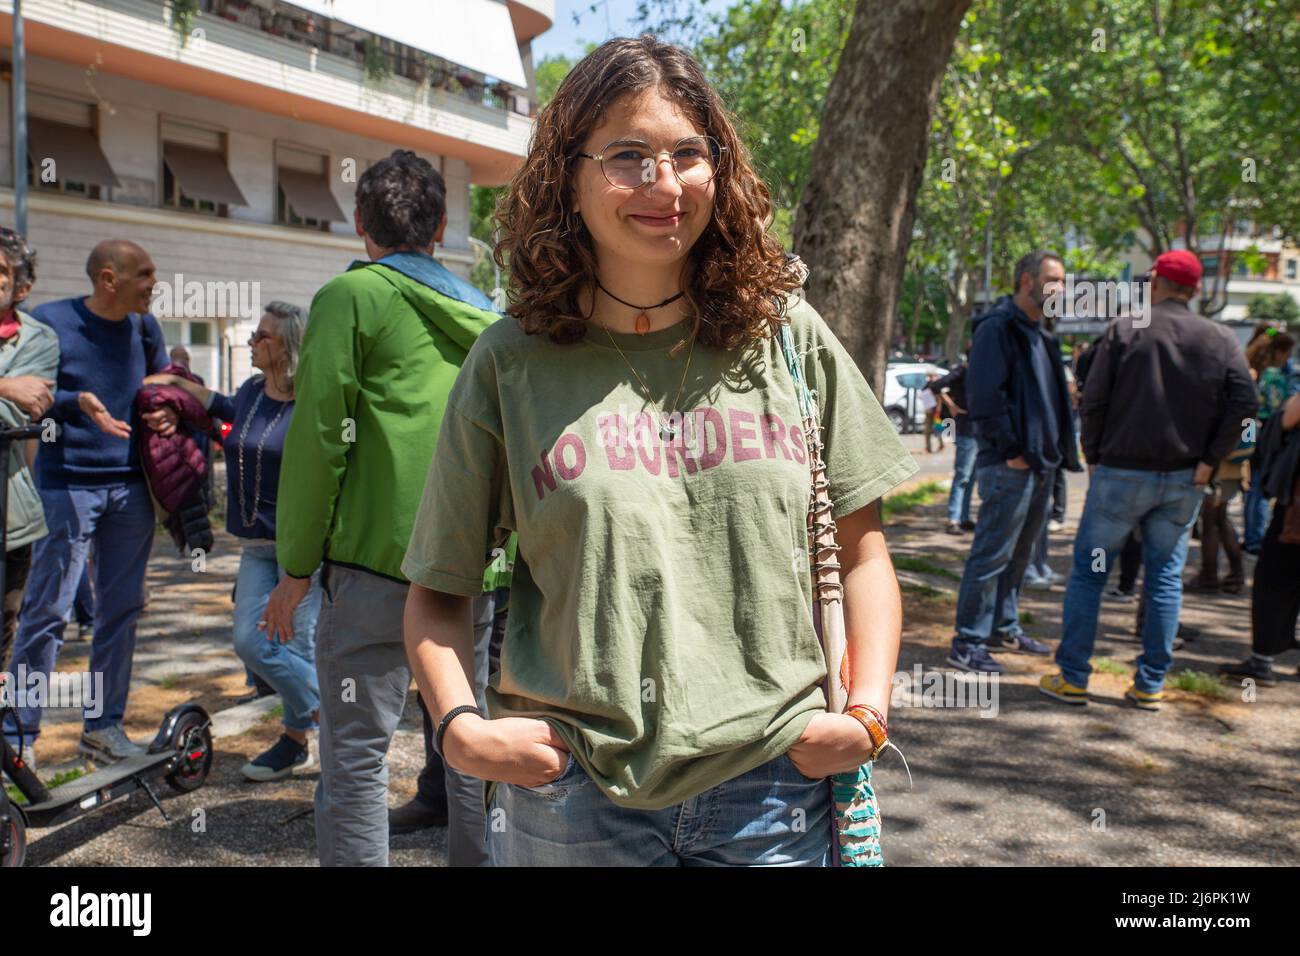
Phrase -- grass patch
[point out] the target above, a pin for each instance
(911, 562)
(1026, 617)
(275, 713)
(923, 591)
(64, 776)
(923, 494)
(1198, 682)
(58, 780)
(168, 681)
(1104, 665)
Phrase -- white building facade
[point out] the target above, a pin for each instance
(232, 157)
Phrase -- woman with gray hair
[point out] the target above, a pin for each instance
(259, 414)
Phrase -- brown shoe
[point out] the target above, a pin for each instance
(415, 816)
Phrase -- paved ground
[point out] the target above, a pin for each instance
(1204, 781)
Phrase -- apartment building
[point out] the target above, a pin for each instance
(226, 137)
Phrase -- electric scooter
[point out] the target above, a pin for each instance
(180, 753)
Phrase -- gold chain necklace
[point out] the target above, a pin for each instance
(667, 431)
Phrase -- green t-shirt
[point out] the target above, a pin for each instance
(661, 610)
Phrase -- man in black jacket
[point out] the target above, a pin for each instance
(1165, 401)
(950, 389)
(1020, 409)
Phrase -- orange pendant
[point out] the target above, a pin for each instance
(642, 324)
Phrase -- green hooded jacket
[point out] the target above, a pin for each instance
(33, 351)
(379, 356)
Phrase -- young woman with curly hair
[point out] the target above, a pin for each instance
(660, 694)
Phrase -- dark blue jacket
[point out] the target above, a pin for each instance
(1006, 404)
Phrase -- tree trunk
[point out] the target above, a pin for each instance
(917, 300)
(957, 297)
(854, 221)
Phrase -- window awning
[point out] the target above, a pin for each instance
(478, 34)
(309, 195)
(202, 174)
(74, 149)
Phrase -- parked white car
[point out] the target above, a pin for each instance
(899, 379)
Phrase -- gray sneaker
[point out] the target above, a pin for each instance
(109, 745)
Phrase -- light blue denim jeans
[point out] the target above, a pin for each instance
(1013, 510)
(771, 816)
(963, 471)
(1164, 504)
(1255, 508)
(291, 667)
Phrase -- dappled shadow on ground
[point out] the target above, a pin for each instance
(1203, 781)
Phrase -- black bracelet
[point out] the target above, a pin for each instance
(451, 714)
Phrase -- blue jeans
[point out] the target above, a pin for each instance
(119, 520)
(1038, 569)
(1164, 504)
(1013, 509)
(771, 816)
(963, 467)
(289, 668)
(1255, 507)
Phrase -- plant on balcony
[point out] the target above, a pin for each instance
(374, 61)
(183, 14)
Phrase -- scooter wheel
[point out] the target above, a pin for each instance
(15, 846)
(192, 739)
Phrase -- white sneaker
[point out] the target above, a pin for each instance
(29, 755)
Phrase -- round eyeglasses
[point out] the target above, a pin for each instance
(630, 163)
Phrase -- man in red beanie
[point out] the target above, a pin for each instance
(1163, 405)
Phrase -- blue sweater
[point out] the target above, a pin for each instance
(237, 410)
(109, 359)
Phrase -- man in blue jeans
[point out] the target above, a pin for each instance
(951, 391)
(1020, 409)
(1165, 401)
(93, 490)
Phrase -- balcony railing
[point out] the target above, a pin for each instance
(377, 56)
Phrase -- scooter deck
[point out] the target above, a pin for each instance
(95, 789)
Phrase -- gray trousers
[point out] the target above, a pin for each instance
(364, 678)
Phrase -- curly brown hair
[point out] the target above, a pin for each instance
(1269, 349)
(735, 278)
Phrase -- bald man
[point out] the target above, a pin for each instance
(93, 490)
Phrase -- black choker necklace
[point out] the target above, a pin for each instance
(642, 320)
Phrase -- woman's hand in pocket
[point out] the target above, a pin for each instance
(831, 744)
(519, 750)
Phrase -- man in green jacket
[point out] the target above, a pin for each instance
(384, 343)
(29, 360)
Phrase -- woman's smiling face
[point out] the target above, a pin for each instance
(657, 223)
